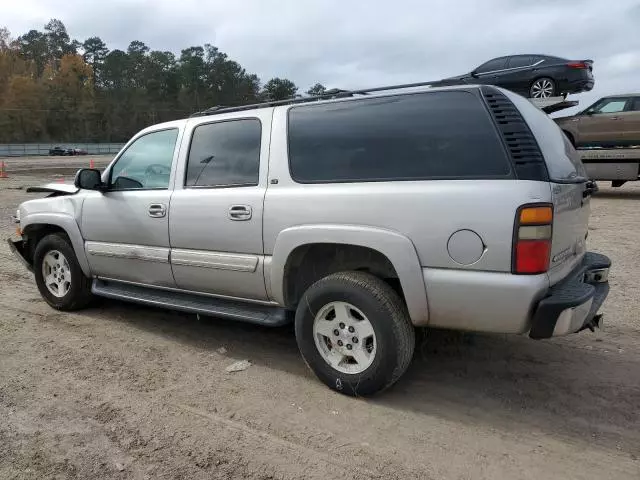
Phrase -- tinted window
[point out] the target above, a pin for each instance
(562, 160)
(407, 137)
(520, 61)
(491, 65)
(224, 154)
(146, 163)
(635, 105)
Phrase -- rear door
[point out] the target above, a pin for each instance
(215, 220)
(518, 74)
(631, 122)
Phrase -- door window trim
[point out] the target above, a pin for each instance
(535, 64)
(208, 187)
(132, 142)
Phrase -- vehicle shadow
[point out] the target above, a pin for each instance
(563, 387)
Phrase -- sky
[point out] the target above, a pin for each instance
(357, 44)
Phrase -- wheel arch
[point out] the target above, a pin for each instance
(38, 225)
(392, 252)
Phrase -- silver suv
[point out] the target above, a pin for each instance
(361, 217)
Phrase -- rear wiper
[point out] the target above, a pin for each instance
(590, 188)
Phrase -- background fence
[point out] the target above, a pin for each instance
(34, 149)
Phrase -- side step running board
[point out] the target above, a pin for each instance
(186, 302)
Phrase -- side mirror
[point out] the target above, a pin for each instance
(89, 179)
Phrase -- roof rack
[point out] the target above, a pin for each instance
(329, 94)
(547, 105)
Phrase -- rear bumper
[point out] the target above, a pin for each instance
(572, 305)
(17, 247)
(579, 85)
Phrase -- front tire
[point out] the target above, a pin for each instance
(354, 332)
(59, 277)
(543, 87)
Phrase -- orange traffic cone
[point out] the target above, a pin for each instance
(3, 170)
(91, 165)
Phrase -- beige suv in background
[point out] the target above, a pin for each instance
(610, 122)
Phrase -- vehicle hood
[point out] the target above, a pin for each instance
(60, 188)
(562, 119)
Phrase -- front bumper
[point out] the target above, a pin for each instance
(572, 305)
(18, 248)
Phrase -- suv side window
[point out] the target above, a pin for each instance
(635, 105)
(439, 135)
(225, 154)
(608, 105)
(492, 65)
(146, 163)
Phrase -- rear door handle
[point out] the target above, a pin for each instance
(615, 118)
(240, 212)
(157, 210)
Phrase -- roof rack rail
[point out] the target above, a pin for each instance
(329, 94)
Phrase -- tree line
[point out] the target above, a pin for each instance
(57, 89)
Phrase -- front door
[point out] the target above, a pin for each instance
(489, 72)
(126, 229)
(215, 220)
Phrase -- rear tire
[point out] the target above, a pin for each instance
(543, 87)
(59, 277)
(376, 331)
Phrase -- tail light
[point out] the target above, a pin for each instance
(578, 65)
(532, 239)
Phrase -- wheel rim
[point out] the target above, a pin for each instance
(56, 273)
(542, 88)
(344, 337)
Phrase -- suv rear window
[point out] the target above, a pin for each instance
(562, 160)
(438, 135)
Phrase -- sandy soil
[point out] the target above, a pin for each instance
(120, 391)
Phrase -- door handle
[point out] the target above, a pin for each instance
(615, 118)
(240, 212)
(157, 210)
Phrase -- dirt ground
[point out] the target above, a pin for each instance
(125, 392)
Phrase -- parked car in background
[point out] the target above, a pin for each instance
(308, 220)
(610, 122)
(532, 75)
(59, 151)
